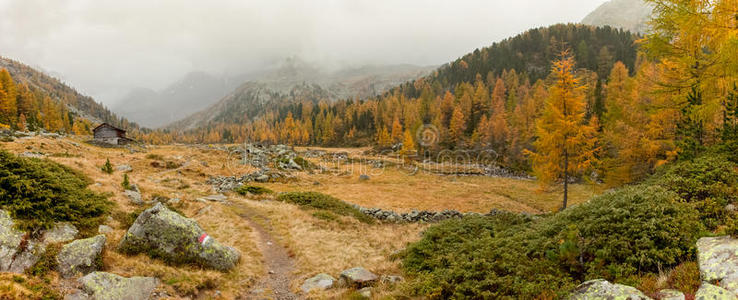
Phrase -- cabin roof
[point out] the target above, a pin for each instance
(108, 125)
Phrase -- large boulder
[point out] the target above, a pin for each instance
(730, 283)
(163, 233)
(717, 257)
(60, 233)
(602, 289)
(81, 256)
(13, 257)
(321, 281)
(709, 291)
(107, 286)
(357, 277)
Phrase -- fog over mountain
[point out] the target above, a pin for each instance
(107, 48)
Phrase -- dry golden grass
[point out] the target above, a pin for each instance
(323, 246)
(316, 245)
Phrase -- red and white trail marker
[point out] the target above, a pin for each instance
(204, 238)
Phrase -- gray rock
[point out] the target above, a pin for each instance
(709, 291)
(391, 279)
(12, 257)
(77, 295)
(717, 257)
(262, 178)
(174, 201)
(366, 292)
(134, 196)
(730, 283)
(60, 233)
(104, 229)
(602, 289)
(357, 277)
(215, 198)
(107, 286)
(670, 295)
(80, 256)
(177, 239)
(321, 281)
(124, 168)
(363, 177)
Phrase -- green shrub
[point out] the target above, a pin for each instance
(325, 202)
(304, 163)
(708, 182)
(614, 236)
(38, 193)
(252, 189)
(107, 167)
(126, 184)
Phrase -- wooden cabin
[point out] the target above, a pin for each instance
(109, 134)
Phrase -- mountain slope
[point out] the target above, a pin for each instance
(296, 81)
(632, 15)
(41, 85)
(194, 92)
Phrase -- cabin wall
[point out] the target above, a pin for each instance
(106, 133)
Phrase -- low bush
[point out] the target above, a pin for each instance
(615, 236)
(154, 156)
(324, 202)
(107, 167)
(39, 192)
(252, 189)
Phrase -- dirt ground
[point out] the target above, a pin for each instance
(282, 244)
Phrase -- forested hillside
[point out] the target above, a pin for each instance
(30, 99)
(488, 99)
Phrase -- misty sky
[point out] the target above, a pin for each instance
(106, 47)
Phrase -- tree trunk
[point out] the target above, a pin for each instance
(566, 178)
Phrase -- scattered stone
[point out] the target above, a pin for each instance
(602, 289)
(32, 154)
(215, 198)
(103, 229)
(108, 286)
(670, 295)
(262, 178)
(167, 234)
(174, 201)
(321, 281)
(709, 291)
(731, 208)
(204, 210)
(717, 257)
(391, 279)
(134, 196)
(13, 257)
(316, 183)
(60, 233)
(80, 256)
(124, 168)
(363, 177)
(357, 277)
(366, 292)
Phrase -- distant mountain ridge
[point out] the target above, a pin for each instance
(295, 80)
(631, 15)
(192, 93)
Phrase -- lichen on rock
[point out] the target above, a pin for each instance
(81, 256)
(165, 234)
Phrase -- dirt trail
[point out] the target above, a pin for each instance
(279, 265)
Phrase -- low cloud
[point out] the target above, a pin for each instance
(106, 47)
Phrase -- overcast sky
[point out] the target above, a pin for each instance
(106, 47)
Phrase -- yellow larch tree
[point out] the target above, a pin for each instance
(566, 142)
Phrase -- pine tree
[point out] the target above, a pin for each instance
(107, 167)
(456, 127)
(566, 142)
